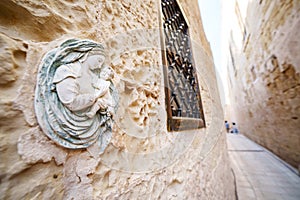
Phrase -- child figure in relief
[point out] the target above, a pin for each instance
(105, 102)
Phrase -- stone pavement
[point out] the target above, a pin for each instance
(260, 174)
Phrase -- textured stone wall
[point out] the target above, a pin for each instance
(266, 85)
(143, 160)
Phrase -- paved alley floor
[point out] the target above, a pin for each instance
(260, 174)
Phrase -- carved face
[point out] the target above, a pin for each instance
(95, 61)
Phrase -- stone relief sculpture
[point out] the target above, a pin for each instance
(75, 98)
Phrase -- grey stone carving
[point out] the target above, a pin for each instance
(75, 98)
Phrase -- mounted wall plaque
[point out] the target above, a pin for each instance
(75, 99)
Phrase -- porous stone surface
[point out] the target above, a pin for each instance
(143, 160)
(266, 83)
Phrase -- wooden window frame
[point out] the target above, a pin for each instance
(179, 123)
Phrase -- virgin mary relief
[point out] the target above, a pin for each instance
(75, 99)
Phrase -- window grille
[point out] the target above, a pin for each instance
(183, 100)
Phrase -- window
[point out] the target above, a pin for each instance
(183, 100)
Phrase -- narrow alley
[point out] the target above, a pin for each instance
(259, 173)
(135, 99)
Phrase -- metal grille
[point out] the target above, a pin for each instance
(183, 96)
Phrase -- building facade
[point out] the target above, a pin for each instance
(144, 159)
(263, 67)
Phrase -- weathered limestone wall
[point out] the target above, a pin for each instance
(143, 160)
(266, 87)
